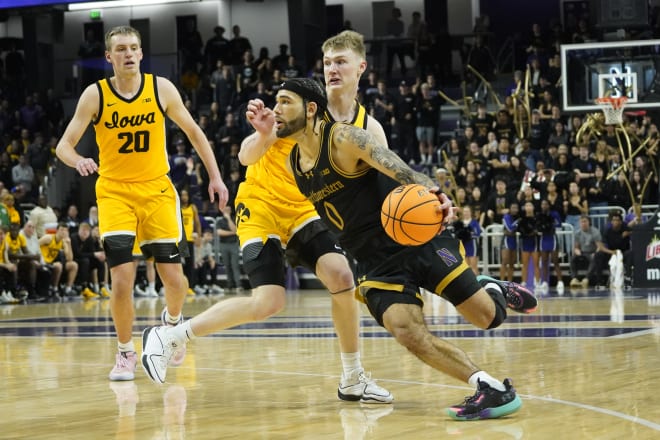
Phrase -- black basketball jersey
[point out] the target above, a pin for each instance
(349, 204)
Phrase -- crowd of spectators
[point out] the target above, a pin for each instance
(488, 165)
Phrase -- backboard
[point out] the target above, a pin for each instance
(618, 68)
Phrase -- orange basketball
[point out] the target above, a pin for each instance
(410, 215)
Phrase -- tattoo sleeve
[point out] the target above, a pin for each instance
(381, 157)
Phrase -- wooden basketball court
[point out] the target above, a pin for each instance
(587, 366)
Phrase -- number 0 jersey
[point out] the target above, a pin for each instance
(130, 133)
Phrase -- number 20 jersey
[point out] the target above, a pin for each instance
(130, 133)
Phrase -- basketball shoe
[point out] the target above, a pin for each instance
(124, 368)
(180, 354)
(518, 298)
(487, 403)
(158, 348)
(359, 386)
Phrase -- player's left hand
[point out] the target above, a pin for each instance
(86, 166)
(217, 186)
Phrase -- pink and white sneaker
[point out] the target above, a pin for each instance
(125, 364)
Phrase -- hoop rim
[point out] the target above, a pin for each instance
(616, 102)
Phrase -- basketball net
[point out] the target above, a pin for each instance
(612, 108)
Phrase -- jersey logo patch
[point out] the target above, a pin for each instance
(447, 257)
(242, 213)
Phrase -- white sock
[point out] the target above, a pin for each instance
(152, 286)
(125, 346)
(95, 287)
(485, 377)
(350, 362)
(173, 320)
(183, 332)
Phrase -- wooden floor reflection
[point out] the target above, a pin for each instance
(586, 364)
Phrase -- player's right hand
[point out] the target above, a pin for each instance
(259, 116)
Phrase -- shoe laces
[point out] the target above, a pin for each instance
(122, 361)
(365, 378)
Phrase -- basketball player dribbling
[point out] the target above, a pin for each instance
(135, 196)
(347, 173)
(272, 215)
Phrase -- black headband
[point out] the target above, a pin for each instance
(306, 93)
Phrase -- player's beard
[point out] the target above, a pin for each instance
(291, 127)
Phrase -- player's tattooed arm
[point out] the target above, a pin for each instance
(379, 156)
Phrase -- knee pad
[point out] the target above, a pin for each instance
(500, 307)
(118, 249)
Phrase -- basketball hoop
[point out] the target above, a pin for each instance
(612, 108)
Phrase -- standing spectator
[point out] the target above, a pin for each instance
(22, 175)
(90, 52)
(482, 123)
(468, 231)
(585, 245)
(382, 106)
(178, 164)
(189, 43)
(292, 69)
(43, 216)
(509, 250)
(547, 222)
(282, 58)
(229, 250)
(193, 232)
(228, 135)
(31, 115)
(223, 83)
(529, 250)
(395, 28)
(217, 49)
(575, 205)
(246, 76)
(404, 112)
(39, 156)
(238, 45)
(428, 114)
(499, 201)
(43, 275)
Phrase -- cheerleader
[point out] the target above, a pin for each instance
(468, 231)
(529, 241)
(547, 223)
(509, 250)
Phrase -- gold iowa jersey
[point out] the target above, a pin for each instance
(271, 173)
(188, 216)
(130, 133)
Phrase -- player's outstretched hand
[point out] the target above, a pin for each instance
(259, 116)
(449, 211)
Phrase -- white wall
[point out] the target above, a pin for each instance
(359, 12)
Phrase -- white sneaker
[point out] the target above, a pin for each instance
(9, 298)
(157, 350)
(137, 291)
(359, 386)
(151, 292)
(180, 354)
(125, 364)
(217, 290)
(560, 288)
(199, 290)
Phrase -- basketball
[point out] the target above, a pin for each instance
(410, 215)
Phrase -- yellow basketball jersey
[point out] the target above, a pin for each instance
(51, 250)
(188, 221)
(270, 172)
(130, 133)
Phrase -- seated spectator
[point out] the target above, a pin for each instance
(206, 266)
(72, 219)
(7, 273)
(42, 270)
(616, 237)
(585, 245)
(15, 216)
(57, 253)
(18, 254)
(23, 175)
